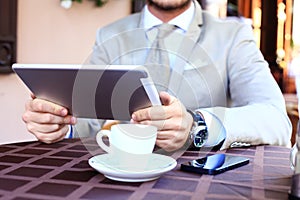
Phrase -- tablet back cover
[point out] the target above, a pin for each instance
(89, 92)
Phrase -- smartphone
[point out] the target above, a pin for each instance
(214, 164)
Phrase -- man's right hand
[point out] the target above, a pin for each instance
(49, 122)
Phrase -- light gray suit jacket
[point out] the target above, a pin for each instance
(218, 69)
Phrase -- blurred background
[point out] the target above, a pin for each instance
(49, 31)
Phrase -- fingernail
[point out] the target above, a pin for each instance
(73, 120)
(133, 116)
(64, 112)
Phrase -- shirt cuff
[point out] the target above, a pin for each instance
(69, 134)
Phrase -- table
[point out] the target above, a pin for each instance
(34, 170)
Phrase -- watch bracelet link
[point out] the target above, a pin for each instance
(199, 132)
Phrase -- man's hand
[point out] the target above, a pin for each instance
(171, 119)
(47, 121)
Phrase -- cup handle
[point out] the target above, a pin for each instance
(99, 139)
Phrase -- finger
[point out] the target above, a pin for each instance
(163, 135)
(171, 107)
(152, 113)
(155, 112)
(47, 118)
(160, 124)
(166, 98)
(170, 140)
(42, 128)
(53, 136)
(171, 135)
(39, 105)
(166, 145)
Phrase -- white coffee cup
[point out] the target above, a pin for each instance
(129, 144)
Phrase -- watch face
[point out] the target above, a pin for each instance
(201, 135)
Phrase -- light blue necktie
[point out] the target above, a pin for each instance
(158, 57)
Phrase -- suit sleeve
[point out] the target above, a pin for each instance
(257, 114)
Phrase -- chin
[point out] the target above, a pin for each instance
(169, 4)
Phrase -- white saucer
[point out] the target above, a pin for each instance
(157, 164)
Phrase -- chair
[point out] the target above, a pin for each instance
(291, 101)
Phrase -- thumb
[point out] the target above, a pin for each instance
(166, 98)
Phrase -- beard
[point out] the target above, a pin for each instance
(169, 5)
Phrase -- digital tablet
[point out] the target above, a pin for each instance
(91, 91)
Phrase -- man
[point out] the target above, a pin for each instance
(216, 79)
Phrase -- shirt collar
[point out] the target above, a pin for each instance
(179, 21)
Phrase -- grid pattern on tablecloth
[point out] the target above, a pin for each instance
(34, 170)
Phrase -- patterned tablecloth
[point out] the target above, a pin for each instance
(34, 170)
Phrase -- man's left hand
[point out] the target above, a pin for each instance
(171, 119)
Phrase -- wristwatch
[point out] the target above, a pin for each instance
(199, 132)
